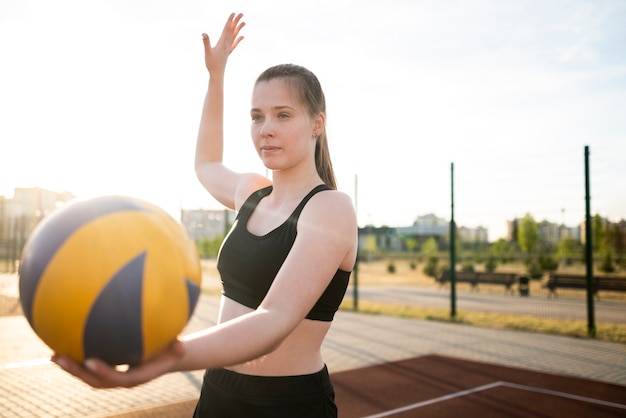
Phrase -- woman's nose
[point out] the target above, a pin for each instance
(267, 128)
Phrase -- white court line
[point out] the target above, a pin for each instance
(435, 400)
(491, 386)
(27, 363)
(564, 395)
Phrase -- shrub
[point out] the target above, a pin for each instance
(607, 263)
(430, 269)
(209, 248)
(548, 263)
(534, 270)
(467, 268)
(491, 264)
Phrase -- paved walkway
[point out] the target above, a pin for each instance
(33, 387)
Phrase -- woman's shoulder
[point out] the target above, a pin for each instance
(249, 184)
(330, 205)
(338, 197)
(329, 218)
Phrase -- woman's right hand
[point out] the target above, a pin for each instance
(215, 57)
(98, 374)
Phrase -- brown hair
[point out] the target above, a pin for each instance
(309, 92)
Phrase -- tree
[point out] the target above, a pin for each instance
(431, 250)
(617, 241)
(410, 243)
(431, 267)
(501, 250)
(208, 248)
(369, 248)
(607, 263)
(528, 235)
(430, 247)
(565, 250)
(598, 233)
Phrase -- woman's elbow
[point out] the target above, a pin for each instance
(279, 328)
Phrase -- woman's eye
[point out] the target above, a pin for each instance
(283, 115)
(256, 118)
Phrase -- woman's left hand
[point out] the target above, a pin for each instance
(99, 374)
(215, 57)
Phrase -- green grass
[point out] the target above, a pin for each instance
(607, 332)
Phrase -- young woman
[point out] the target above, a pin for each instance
(285, 264)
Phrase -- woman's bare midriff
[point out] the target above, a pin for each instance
(299, 354)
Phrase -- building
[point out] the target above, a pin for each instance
(206, 223)
(424, 227)
(19, 216)
(478, 235)
(549, 233)
(511, 230)
(570, 232)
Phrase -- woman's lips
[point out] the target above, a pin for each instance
(268, 149)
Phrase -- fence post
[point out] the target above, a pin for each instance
(355, 289)
(591, 322)
(452, 248)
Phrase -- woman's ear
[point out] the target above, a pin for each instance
(319, 122)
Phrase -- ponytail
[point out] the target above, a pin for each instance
(322, 161)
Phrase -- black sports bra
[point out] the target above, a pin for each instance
(249, 263)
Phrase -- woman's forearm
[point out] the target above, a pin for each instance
(210, 142)
(234, 342)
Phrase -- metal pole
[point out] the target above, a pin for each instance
(355, 288)
(452, 248)
(591, 322)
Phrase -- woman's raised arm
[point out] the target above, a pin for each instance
(221, 182)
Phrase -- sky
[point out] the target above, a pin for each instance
(104, 97)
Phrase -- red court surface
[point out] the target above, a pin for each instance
(437, 386)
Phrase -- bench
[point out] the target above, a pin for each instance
(615, 284)
(475, 278)
(579, 281)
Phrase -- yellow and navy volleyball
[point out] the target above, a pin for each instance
(111, 277)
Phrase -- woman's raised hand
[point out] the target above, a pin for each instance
(215, 57)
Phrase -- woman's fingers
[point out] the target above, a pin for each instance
(99, 374)
(217, 55)
(89, 373)
(231, 30)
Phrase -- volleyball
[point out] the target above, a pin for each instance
(111, 277)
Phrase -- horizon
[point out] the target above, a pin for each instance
(177, 215)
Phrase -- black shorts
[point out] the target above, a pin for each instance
(229, 394)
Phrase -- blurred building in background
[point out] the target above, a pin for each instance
(19, 216)
(206, 223)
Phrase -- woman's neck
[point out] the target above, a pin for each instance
(286, 186)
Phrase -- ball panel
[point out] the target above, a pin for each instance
(113, 330)
(193, 294)
(168, 262)
(186, 251)
(49, 235)
(165, 301)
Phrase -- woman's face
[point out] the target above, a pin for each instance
(282, 130)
